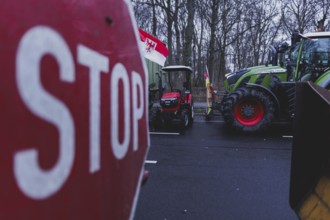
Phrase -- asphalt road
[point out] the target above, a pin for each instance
(209, 173)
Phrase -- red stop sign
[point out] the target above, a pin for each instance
(74, 131)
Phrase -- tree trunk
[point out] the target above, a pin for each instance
(169, 32)
(213, 27)
(154, 18)
(187, 54)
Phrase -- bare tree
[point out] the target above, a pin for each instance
(213, 21)
(199, 38)
(299, 15)
(226, 35)
(323, 6)
(230, 15)
(169, 13)
(189, 31)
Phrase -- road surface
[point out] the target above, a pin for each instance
(209, 173)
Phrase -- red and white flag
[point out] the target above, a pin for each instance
(152, 48)
(206, 73)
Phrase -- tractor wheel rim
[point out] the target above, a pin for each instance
(249, 112)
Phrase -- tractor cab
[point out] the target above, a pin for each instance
(312, 58)
(176, 102)
(177, 87)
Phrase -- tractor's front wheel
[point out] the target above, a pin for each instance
(184, 119)
(248, 110)
(157, 120)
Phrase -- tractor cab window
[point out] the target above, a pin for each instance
(294, 54)
(315, 58)
(177, 81)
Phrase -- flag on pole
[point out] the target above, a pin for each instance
(206, 73)
(207, 79)
(209, 92)
(152, 48)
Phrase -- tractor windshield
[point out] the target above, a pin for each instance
(315, 58)
(177, 80)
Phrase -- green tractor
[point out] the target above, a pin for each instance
(256, 97)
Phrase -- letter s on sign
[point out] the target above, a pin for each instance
(37, 42)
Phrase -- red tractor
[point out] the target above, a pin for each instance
(176, 100)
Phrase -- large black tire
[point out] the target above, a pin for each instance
(191, 115)
(185, 119)
(158, 121)
(248, 110)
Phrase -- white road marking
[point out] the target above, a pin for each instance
(213, 121)
(164, 133)
(151, 161)
(287, 136)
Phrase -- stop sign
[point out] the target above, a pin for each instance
(74, 131)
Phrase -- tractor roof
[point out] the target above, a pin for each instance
(316, 34)
(177, 68)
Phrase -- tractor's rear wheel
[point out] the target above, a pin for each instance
(191, 115)
(248, 110)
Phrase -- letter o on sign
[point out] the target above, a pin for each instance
(119, 73)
